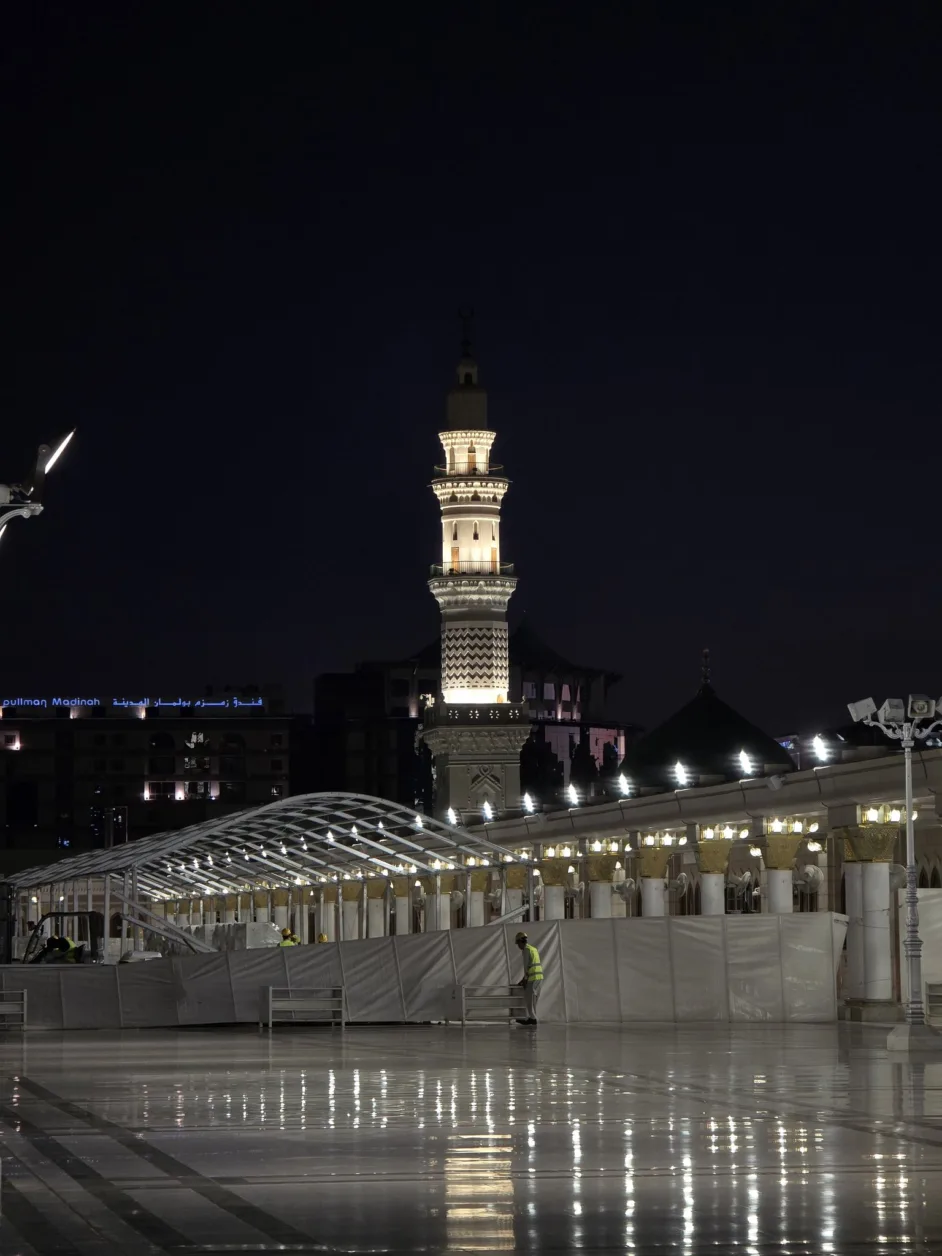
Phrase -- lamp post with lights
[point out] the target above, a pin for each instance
(903, 722)
(24, 500)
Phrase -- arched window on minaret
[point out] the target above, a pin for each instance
(472, 458)
(474, 534)
(451, 459)
(454, 532)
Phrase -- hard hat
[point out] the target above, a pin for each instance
(322, 937)
(521, 937)
(286, 933)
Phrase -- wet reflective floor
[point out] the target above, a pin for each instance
(586, 1139)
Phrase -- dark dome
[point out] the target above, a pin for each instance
(706, 736)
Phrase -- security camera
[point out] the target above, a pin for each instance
(919, 707)
(893, 711)
(862, 710)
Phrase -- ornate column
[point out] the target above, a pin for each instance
(600, 869)
(478, 882)
(554, 888)
(653, 861)
(351, 893)
(402, 889)
(780, 852)
(438, 890)
(280, 908)
(328, 913)
(516, 884)
(376, 907)
(874, 845)
(713, 861)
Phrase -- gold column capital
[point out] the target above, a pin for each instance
(375, 888)
(480, 879)
(516, 877)
(352, 891)
(872, 843)
(400, 887)
(279, 898)
(781, 849)
(654, 860)
(554, 871)
(601, 867)
(713, 854)
(330, 893)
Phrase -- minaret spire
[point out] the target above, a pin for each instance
(473, 586)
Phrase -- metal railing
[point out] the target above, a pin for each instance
(471, 468)
(472, 567)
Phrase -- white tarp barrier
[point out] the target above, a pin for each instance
(681, 968)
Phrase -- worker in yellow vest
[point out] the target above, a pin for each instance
(532, 977)
(288, 938)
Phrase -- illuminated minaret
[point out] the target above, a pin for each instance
(474, 733)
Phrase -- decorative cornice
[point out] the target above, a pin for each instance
(504, 739)
(456, 592)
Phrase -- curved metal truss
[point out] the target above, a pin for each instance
(308, 839)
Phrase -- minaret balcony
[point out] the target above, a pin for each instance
(472, 567)
(470, 468)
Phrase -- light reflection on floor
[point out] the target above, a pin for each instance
(698, 1139)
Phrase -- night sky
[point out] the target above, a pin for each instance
(704, 256)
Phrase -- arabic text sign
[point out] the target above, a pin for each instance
(193, 703)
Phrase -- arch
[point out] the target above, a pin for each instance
(935, 878)
(923, 881)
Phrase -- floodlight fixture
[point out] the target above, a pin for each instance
(862, 710)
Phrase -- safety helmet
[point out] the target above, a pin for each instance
(521, 937)
(322, 937)
(286, 933)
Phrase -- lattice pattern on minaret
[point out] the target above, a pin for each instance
(475, 658)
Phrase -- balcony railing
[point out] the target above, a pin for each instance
(470, 468)
(472, 567)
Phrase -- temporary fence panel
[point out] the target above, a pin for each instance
(684, 969)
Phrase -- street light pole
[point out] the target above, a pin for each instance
(22, 501)
(902, 723)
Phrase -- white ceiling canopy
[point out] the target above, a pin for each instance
(304, 840)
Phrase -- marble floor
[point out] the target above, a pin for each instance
(591, 1139)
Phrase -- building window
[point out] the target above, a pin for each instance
(117, 765)
(277, 740)
(428, 684)
(529, 689)
(454, 532)
(472, 458)
(399, 687)
(161, 741)
(198, 789)
(277, 791)
(161, 765)
(566, 697)
(99, 765)
(493, 533)
(231, 765)
(277, 765)
(118, 739)
(399, 712)
(99, 739)
(9, 739)
(154, 790)
(195, 763)
(475, 536)
(549, 691)
(233, 741)
(232, 791)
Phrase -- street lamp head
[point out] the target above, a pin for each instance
(56, 451)
(893, 711)
(919, 707)
(862, 710)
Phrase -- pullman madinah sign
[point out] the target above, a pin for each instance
(474, 732)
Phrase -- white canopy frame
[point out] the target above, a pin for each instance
(308, 839)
